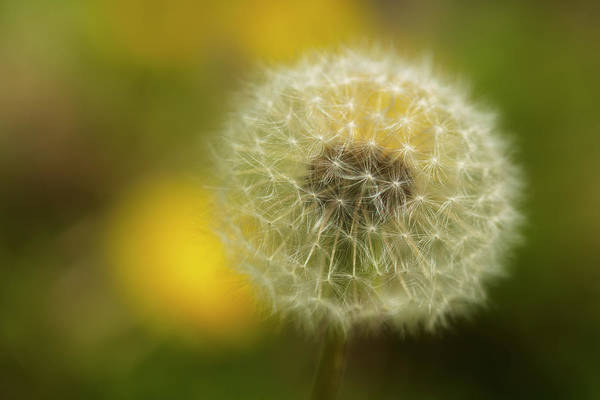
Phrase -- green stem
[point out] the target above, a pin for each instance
(331, 366)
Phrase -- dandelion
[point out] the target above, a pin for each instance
(361, 189)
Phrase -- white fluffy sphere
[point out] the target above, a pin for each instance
(359, 188)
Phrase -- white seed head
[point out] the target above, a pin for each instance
(359, 188)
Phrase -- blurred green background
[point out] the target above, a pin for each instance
(106, 291)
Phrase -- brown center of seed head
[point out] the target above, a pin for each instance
(358, 184)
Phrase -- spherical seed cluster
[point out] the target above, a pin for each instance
(361, 189)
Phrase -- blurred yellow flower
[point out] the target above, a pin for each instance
(171, 265)
(282, 30)
(179, 32)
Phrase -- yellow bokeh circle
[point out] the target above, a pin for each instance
(170, 264)
(184, 32)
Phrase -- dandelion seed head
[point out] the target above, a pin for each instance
(375, 194)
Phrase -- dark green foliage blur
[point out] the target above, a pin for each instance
(89, 107)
